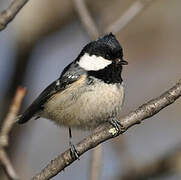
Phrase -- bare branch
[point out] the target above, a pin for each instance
(86, 18)
(106, 132)
(5, 130)
(10, 118)
(9, 14)
(96, 163)
(7, 166)
(136, 8)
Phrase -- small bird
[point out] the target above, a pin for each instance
(89, 91)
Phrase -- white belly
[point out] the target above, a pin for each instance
(85, 108)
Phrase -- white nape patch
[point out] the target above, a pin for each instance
(93, 63)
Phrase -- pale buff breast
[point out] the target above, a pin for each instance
(95, 106)
(85, 106)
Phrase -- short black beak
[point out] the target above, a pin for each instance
(123, 62)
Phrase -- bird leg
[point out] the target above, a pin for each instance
(73, 151)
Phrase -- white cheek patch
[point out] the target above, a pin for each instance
(93, 63)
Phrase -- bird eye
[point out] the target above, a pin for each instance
(107, 56)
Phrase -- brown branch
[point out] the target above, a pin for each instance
(10, 118)
(9, 14)
(5, 130)
(135, 9)
(86, 18)
(106, 132)
(7, 165)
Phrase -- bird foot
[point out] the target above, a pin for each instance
(117, 125)
(73, 152)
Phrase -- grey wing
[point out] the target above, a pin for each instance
(37, 105)
(70, 74)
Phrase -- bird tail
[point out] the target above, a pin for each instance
(26, 116)
(21, 119)
(17, 118)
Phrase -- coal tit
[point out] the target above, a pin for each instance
(89, 91)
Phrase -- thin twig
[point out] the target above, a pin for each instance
(86, 18)
(106, 132)
(10, 118)
(7, 165)
(96, 163)
(136, 8)
(9, 14)
(5, 130)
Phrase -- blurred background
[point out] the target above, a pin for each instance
(46, 36)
